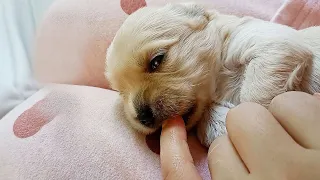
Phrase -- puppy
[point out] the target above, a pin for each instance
(182, 59)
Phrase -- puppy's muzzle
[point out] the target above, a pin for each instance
(146, 116)
(153, 107)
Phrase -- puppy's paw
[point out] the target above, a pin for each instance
(213, 123)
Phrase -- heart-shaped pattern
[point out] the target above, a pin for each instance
(34, 118)
(44, 111)
(130, 6)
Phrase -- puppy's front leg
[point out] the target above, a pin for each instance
(213, 123)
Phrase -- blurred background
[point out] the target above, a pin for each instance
(18, 23)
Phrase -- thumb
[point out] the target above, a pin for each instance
(176, 160)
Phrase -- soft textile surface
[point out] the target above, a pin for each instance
(75, 34)
(299, 14)
(18, 21)
(74, 132)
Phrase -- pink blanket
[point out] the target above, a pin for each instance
(299, 14)
(79, 132)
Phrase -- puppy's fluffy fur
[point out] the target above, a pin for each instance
(212, 62)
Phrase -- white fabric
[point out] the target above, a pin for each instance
(18, 22)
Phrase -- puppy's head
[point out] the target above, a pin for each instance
(159, 62)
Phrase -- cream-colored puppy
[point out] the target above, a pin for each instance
(181, 59)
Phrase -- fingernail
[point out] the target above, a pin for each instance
(166, 122)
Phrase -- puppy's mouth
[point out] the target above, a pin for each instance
(153, 140)
(186, 116)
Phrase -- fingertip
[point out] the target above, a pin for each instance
(174, 150)
(234, 116)
(173, 128)
(174, 121)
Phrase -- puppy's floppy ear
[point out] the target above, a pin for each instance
(197, 17)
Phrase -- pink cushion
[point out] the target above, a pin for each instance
(299, 14)
(78, 132)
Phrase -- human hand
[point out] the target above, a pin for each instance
(282, 143)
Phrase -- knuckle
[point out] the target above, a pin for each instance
(234, 116)
(286, 98)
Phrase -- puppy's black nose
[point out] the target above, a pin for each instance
(145, 116)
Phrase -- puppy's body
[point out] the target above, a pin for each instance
(212, 63)
(259, 60)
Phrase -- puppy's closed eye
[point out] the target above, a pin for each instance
(156, 61)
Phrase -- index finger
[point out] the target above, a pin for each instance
(175, 157)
